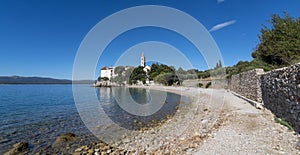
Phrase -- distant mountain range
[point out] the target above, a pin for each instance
(39, 80)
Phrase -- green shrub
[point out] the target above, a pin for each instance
(208, 85)
(103, 78)
(200, 85)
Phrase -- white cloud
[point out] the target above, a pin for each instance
(220, 1)
(222, 25)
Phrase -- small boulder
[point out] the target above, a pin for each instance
(18, 148)
(91, 151)
(67, 137)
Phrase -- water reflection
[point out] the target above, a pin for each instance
(109, 104)
(143, 96)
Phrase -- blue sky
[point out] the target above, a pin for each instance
(41, 38)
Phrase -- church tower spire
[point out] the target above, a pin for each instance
(143, 60)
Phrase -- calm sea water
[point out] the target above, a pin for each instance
(38, 114)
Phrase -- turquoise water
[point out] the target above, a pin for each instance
(39, 113)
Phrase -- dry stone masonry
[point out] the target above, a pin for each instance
(248, 84)
(281, 93)
(278, 90)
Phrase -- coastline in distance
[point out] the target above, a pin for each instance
(39, 80)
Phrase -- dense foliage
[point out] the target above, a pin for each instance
(168, 79)
(159, 69)
(243, 66)
(119, 78)
(138, 74)
(204, 74)
(119, 70)
(279, 44)
(159, 73)
(164, 74)
(122, 75)
(103, 78)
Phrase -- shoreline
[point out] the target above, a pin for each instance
(170, 89)
(185, 131)
(216, 122)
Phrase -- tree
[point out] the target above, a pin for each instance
(118, 79)
(192, 71)
(119, 70)
(203, 75)
(279, 44)
(161, 79)
(172, 68)
(128, 73)
(180, 71)
(168, 79)
(157, 69)
(103, 78)
(219, 64)
(138, 74)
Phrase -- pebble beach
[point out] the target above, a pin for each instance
(215, 122)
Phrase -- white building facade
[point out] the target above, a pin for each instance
(107, 72)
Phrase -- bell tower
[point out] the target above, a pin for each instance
(143, 60)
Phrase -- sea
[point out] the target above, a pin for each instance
(39, 113)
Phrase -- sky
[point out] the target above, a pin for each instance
(42, 38)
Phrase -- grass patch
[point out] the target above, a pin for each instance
(284, 123)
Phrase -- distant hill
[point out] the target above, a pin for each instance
(31, 80)
(39, 80)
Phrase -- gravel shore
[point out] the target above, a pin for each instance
(215, 122)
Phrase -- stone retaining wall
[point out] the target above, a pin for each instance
(281, 93)
(278, 90)
(248, 84)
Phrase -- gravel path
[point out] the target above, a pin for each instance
(215, 122)
(249, 131)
